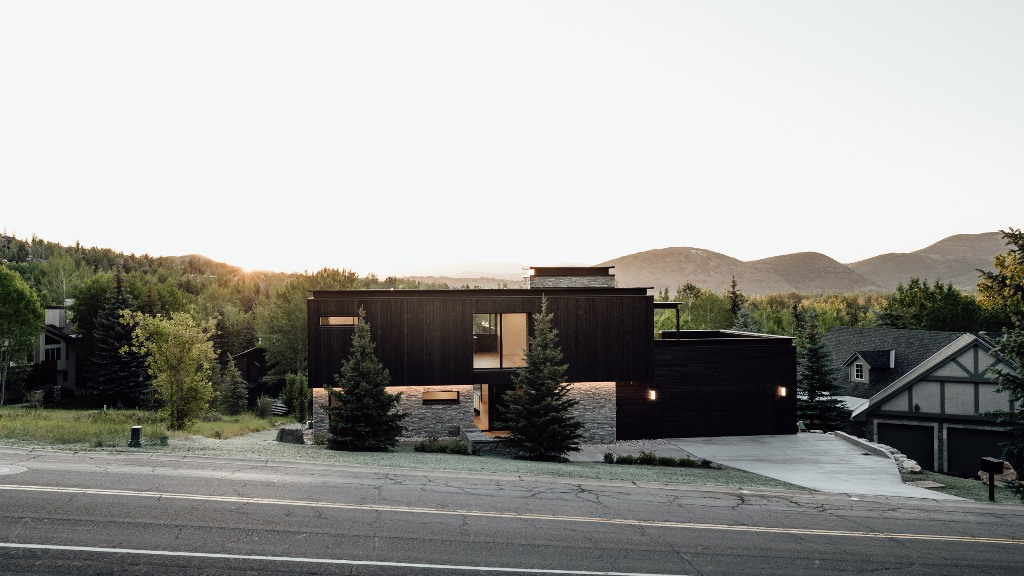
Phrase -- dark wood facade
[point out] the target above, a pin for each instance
(425, 337)
(713, 383)
(704, 383)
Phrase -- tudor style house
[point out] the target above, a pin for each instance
(453, 353)
(924, 393)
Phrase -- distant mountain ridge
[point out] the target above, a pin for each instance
(952, 260)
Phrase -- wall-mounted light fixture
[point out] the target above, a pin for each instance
(652, 394)
(782, 391)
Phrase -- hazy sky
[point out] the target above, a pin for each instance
(394, 136)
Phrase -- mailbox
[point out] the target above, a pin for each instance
(991, 465)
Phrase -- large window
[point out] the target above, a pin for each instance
(499, 340)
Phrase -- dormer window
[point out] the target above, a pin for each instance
(858, 371)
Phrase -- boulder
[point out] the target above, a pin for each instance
(290, 436)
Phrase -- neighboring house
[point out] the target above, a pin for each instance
(252, 365)
(54, 357)
(452, 354)
(924, 393)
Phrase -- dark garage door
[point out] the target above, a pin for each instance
(966, 447)
(917, 442)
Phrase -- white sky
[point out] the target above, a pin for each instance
(389, 137)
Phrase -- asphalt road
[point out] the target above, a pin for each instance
(94, 513)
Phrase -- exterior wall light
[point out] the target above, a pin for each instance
(782, 391)
(652, 394)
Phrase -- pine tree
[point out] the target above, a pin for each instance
(818, 404)
(364, 417)
(745, 322)
(539, 410)
(119, 373)
(736, 298)
(230, 393)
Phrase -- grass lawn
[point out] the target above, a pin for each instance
(110, 428)
(969, 488)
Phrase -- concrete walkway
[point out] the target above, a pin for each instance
(818, 461)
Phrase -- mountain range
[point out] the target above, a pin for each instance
(954, 260)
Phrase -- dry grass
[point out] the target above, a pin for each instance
(110, 428)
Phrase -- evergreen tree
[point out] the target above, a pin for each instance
(1004, 287)
(118, 372)
(364, 417)
(736, 298)
(539, 410)
(297, 396)
(230, 393)
(745, 322)
(817, 404)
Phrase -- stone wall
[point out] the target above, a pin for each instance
(319, 415)
(570, 281)
(596, 409)
(437, 419)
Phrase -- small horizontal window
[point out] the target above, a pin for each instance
(339, 320)
(441, 397)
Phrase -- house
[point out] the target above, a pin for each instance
(54, 358)
(924, 393)
(252, 365)
(453, 353)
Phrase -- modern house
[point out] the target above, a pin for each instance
(924, 393)
(453, 353)
(54, 358)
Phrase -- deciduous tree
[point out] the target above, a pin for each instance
(1005, 287)
(21, 321)
(179, 355)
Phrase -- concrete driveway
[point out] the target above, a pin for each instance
(818, 461)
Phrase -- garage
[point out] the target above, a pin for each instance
(916, 441)
(966, 446)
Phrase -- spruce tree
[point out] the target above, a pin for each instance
(364, 417)
(818, 404)
(745, 322)
(119, 374)
(231, 396)
(539, 410)
(736, 298)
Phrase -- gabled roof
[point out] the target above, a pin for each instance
(951, 350)
(912, 348)
(875, 358)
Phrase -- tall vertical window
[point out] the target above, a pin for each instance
(499, 340)
(858, 371)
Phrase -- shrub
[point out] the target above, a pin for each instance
(652, 459)
(446, 446)
(264, 405)
(297, 396)
(34, 399)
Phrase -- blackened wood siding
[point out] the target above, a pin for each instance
(426, 337)
(714, 388)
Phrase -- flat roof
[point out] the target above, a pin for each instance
(478, 293)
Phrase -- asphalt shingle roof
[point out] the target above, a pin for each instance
(912, 348)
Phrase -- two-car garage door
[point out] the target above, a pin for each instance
(963, 450)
